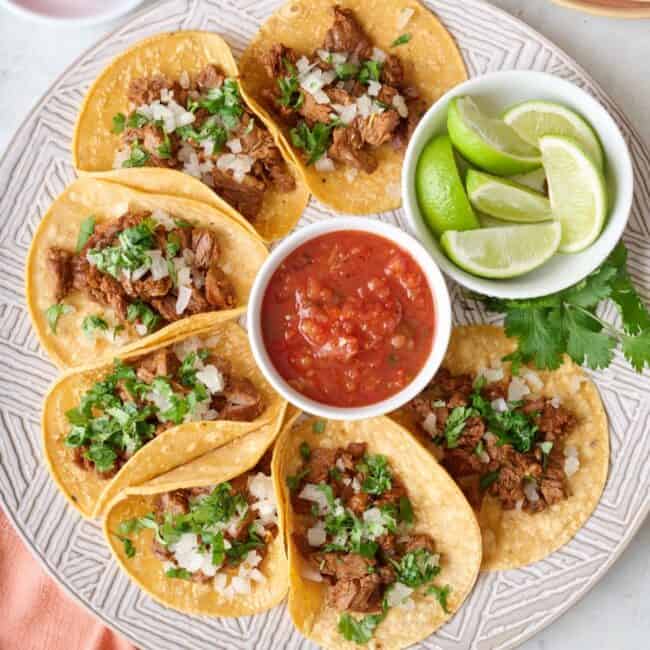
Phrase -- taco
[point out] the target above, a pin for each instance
(346, 82)
(382, 545)
(109, 266)
(122, 423)
(530, 450)
(172, 102)
(208, 542)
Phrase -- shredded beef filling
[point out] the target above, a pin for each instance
(343, 100)
(514, 452)
(100, 271)
(202, 126)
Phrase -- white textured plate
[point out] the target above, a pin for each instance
(505, 608)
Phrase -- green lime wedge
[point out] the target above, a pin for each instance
(535, 180)
(487, 142)
(577, 191)
(440, 192)
(506, 200)
(505, 252)
(535, 119)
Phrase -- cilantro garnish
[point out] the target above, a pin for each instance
(177, 572)
(346, 71)
(139, 311)
(119, 122)
(138, 157)
(137, 120)
(416, 568)
(318, 426)
(487, 479)
(129, 549)
(165, 149)
(305, 451)
(401, 40)
(359, 630)
(405, 510)
(455, 424)
(369, 71)
(567, 322)
(378, 476)
(441, 594)
(314, 141)
(86, 229)
(290, 94)
(54, 312)
(293, 482)
(225, 103)
(92, 323)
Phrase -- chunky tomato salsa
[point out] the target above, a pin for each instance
(348, 319)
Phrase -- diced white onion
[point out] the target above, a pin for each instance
(339, 57)
(488, 436)
(373, 88)
(519, 504)
(499, 405)
(166, 95)
(141, 329)
(484, 457)
(324, 164)
(184, 80)
(239, 164)
(211, 376)
(491, 374)
(240, 585)
(316, 535)
(163, 218)
(257, 576)
(517, 389)
(364, 104)
(430, 424)
(397, 594)
(533, 380)
(183, 300)
(356, 485)
(140, 271)
(303, 66)
(404, 16)
(311, 492)
(400, 105)
(530, 490)
(234, 145)
(378, 55)
(159, 269)
(556, 402)
(340, 465)
(571, 461)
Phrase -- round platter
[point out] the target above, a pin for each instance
(612, 8)
(505, 608)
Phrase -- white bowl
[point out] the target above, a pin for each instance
(442, 311)
(495, 92)
(80, 13)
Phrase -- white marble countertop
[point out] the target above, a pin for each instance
(616, 613)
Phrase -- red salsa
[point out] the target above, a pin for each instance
(347, 319)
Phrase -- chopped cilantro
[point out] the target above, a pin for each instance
(290, 94)
(487, 479)
(335, 474)
(405, 510)
(305, 451)
(441, 594)
(177, 572)
(346, 71)
(173, 245)
(129, 549)
(318, 426)
(137, 120)
(293, 482)
(54, 312)
(92, 323)
(455, 424)
(369, 71)
(378, 476)
(165, 149)
(225, 103)
(359, 630)
(138, 157)
(401, 40)
(86, 229)
(119, 122)
(416, 568)
(479, 450)
(139, 311)
(314, 141)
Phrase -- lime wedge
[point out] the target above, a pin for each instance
(506, 200)
(503, 252)
(535, 180)
(487, 142)
(440, 191)
(577, 191)
(535, 119)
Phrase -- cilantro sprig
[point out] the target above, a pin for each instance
(567, 322)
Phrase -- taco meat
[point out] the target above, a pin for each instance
(147, 268)
(355, 530)
(343, 100)
(202, 127)
(144, 397)
(499, 438)
(218, 533)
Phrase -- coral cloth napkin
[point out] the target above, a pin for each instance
(35, 614)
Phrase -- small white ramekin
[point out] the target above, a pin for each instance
(442, 317)
(496, 91)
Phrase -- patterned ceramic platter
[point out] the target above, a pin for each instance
(505, 608)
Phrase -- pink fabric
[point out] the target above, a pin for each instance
(35, 614)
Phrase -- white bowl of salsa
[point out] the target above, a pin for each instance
(349, 318)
